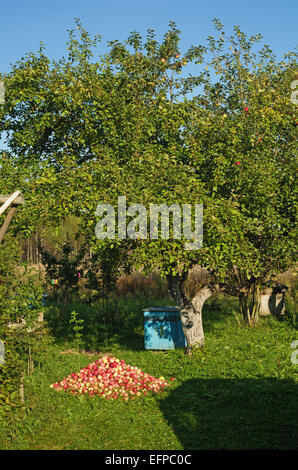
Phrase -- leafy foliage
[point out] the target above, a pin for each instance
(126, 124)
(106, 264)
(24, 337)
(64, 269)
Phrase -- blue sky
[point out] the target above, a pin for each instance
(24, 23)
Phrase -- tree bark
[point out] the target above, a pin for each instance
(249, 304)
(191, 317)
(191, 310)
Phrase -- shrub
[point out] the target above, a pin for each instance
(23, 336)
(64, 268)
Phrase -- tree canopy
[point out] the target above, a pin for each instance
(83, 131)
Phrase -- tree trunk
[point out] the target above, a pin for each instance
(273, 300)
(249, 304)
(191, 310)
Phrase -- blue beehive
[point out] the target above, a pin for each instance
(163, 328)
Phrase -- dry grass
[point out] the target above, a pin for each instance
(137, 283)
(153, 285)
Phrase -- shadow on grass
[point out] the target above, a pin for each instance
(216, 310)
(122, 324)
(234, 414)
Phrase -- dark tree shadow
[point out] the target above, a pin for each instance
(123, 323)
(234, 414)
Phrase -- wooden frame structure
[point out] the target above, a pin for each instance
(14, 200)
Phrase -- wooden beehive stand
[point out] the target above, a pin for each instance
(12, 201)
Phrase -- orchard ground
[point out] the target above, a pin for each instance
(240, 392)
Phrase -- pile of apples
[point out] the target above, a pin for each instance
(111, 378)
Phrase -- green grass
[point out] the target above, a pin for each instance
(239, 393)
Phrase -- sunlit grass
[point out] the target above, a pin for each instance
(239, 393)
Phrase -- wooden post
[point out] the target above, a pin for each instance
(15, 199)
(7, 221)
(8, 200)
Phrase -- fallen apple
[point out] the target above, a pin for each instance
(109, 377)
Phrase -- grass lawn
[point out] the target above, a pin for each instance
(239, 393)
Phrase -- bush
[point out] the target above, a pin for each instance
(291, 300)
(23, 336)
(63, 268)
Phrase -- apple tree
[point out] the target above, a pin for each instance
(84, 132)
